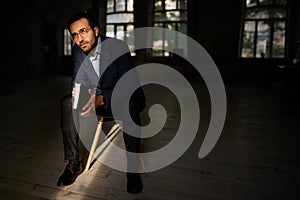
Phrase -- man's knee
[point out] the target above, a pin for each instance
(66, 115)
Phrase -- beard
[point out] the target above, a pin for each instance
(91, 48)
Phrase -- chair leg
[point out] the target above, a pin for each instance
(95, 142)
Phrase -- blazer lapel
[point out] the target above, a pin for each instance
(104, 56)
(89, 70)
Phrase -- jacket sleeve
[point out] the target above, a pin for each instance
(77, 61)
(138, 100)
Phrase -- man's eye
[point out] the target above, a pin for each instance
(84, 30)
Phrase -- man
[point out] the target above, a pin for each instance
(99, 62)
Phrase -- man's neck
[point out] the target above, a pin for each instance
(94, 48)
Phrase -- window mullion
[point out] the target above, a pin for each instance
(255, 38)
(271, 38)
(164, 40)
(176, 36)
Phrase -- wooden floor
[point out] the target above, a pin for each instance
(256, 157)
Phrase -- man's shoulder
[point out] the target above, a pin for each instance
(75, 48)
(114, 46)
(113, 41)
(108, 38)
(77, 52)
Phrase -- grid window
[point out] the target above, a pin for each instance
(264, 29)
(169, 14)
(67, 43)
(120, 21)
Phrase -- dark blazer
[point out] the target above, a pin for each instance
(115, 61)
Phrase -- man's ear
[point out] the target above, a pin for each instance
(96, 30)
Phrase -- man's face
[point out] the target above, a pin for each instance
(83, 35)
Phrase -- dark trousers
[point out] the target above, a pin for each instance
(73, 146)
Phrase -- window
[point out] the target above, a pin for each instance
(264, 29)
(67, 43)
(120, 19)
(170, 14)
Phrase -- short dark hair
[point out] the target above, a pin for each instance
(82, 14)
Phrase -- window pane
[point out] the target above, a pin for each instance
(280, 2)
(279, 13)
(176, 15)
(67, 43)
(120, 5)
(171, 26)
(158, 5)
(129, 37)
(182, 42)
(129, 5)
(170, 16)
(120, 32)
(110, 6)
(250, 3)
(170, 40)
(263, 39)
(248, 40)
(110, 32)
(265, 2)
(263, 13)
(279, 39)
(258, 13)
(182, 27)
(182, 4)
(160, 16)
(158, 41)
(166, 53)
(170, 4)
(120, 18)
(183, 16)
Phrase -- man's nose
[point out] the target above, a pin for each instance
(80, 38)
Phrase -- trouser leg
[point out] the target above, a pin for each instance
(69, 131)
(133, 144)
(134, 164)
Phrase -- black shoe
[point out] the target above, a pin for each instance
(134, 183)
(70, 174)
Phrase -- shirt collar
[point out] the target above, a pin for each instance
(98, 48)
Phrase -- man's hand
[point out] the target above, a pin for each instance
(73, 92)
(98, 101)
(94, 102)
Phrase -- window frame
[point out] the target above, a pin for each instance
(271, 20)
(166, 22)
(68, 43)
(117, 24)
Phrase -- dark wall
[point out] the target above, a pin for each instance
(32, 37)
(217, 27)
(294, 35)
(21, 43)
